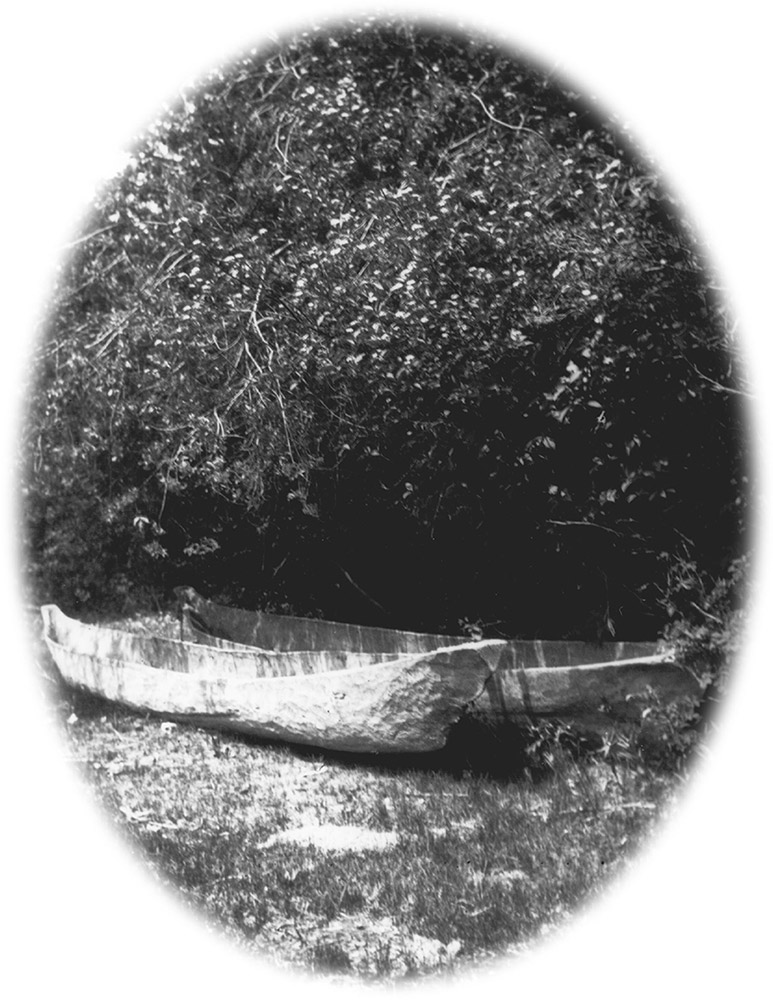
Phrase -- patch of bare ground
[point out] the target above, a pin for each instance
(358, 866)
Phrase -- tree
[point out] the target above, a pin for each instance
(384, 324)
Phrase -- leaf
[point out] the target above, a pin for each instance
(560, 268)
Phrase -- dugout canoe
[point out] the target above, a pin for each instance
(203, 620)
(332, 699)
(287, 633)
(590, 686)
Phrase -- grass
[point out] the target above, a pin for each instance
(486, 859)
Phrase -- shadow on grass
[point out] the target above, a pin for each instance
(473, 748)
(502, 753)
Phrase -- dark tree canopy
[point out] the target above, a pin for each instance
(386, 325)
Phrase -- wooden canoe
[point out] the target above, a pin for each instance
(205, 621)
(330, 699)
(591, 686)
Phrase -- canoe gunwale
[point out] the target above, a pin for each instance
(245, 651)
(234, 680)
(189, 597)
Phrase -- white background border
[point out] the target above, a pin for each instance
(81, 917)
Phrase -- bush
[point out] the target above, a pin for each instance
(387, 324)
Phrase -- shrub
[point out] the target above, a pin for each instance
(346, 336)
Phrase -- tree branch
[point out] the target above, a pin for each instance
(718, 387)
(585, 524)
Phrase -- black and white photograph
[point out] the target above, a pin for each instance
(386, 476)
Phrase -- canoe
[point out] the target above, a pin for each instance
(590, 686)
(332, 699)
(205, 621)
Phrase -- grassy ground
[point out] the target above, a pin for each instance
(351, 866)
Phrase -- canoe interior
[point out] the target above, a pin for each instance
(224, 659)
(232, 628)
(288, 633)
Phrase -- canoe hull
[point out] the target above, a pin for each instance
(596, 696)
(403, 705)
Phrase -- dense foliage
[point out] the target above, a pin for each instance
(388, 326)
